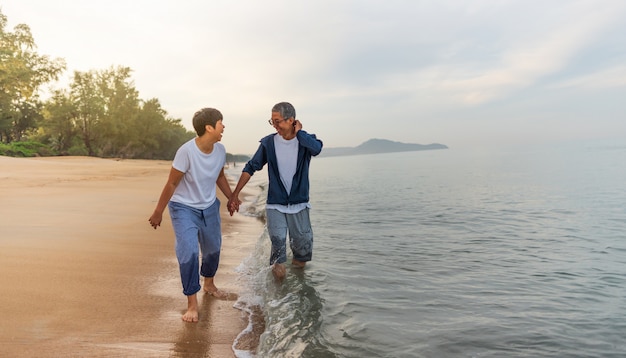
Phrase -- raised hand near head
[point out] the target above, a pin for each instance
(297, 125)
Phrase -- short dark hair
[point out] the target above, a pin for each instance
(285, 109)
(205, 116)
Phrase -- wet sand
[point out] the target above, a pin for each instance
(82, 273)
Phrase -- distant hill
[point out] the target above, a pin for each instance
(374, 146)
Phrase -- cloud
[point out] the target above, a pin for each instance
(528, 60)
(360, 69)
(605, 78)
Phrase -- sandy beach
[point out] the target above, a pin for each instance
(82, 273)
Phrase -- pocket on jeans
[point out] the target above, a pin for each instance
(175, 211)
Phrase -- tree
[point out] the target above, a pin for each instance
(114, 122)
(121, 102)
(22, 73)
(58, 127)
(99, 115)
(86, 98)
(160, 136)
(150, 125)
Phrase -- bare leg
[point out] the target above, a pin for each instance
(192, 309)
(279, 271)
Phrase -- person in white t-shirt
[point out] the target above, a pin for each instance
(288, 154)
(190, 195)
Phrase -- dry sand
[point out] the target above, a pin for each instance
(83, 274)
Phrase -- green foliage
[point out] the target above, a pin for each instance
(102, 109)
(100, 114)
(77, 150)
(22, 73)
(25, 149)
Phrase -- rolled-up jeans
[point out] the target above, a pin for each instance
(300, 235)
(192, 227)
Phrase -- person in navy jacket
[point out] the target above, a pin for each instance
(288, 154)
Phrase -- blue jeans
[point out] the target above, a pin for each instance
(193, 226)
(300, 235)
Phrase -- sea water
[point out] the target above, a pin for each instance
(453, 253)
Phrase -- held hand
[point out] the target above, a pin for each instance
(233, 204)
(155, 220)
(232, 208)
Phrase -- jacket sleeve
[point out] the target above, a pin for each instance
(310, 142)
(259, 159)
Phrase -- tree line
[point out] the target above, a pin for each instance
(99, 114)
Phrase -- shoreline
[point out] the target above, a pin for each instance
(85, 274)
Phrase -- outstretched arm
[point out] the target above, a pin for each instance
(168, 190)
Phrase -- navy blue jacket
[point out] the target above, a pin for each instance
(308, 146)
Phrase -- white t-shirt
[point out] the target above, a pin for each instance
(287, 159)
(198, 188)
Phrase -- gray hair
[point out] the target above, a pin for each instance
(285, 109)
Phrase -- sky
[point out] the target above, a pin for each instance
(467, 74)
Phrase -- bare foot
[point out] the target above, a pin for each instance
(211, 289)
(298, 264)
(279, 271)
(222, 295)
(192, 309)
(191, 316)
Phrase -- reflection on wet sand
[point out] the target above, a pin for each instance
(80, 263)
(194, 339)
